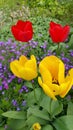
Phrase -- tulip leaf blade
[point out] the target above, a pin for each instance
(56, 107)
(34, 95)
(70, 108)
(16, 124)
(40, 113)
(45, 103)
(47, 127)
(64, 123)
(33, 119)
(15, 114)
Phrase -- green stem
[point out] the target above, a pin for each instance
(58, 46)
(34, 92)
(58, 49)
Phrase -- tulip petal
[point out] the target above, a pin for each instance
(69, 75)
(29, 70)
(56, 34)
(15, 32)
(65, 87)
(25, 36)
(65, 33)
(46, 76)
(28, 73)
(61, 72)
(52, 64)
(46, 89)
(53, 24)
(31, 63)
(21, 24)
(22, 60)
(28, 27)
(14, 66)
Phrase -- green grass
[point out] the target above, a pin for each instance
(11, 3)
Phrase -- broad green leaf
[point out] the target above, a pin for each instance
(56, 107)
(32, 119)
(45, 103)
(33, 97)
(38, 113)
(70, 108)
(24, 128)
(15, 114)
(16, 124)
(64, 123)
(47, 127)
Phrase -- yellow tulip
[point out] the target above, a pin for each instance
(24, 68)
(36, 126)
(53, 80)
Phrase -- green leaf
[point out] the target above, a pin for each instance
(15, 114)
(47, 127)
(56, 107)
(70, 108)
(38, 113)
(64, 123)
(24, 128)
(53, 48)
(53, 107)
(31, 95)
(28, 84)
(71, 41)
(45, 103)
(32, 119)
(71, 30)
(16, 124)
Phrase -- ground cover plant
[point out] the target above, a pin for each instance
(24, 101)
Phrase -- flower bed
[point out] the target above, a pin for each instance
(38, 67)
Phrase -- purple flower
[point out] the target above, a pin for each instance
(19, 80)
(23, 103)
(66, 60)
(44, 46)
(0, 88)
(21, 90)
(25, 88)
(3, 93)
(14, 102)
(18, 109)
(6, 86)
(71, 53)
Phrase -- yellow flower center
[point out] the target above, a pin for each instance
(36, 126)
(55, 81)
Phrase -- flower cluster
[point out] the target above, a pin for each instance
(51, 68)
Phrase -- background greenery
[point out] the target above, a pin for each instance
(61, 9)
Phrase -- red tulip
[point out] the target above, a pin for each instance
(22, 31)
(58, 33)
